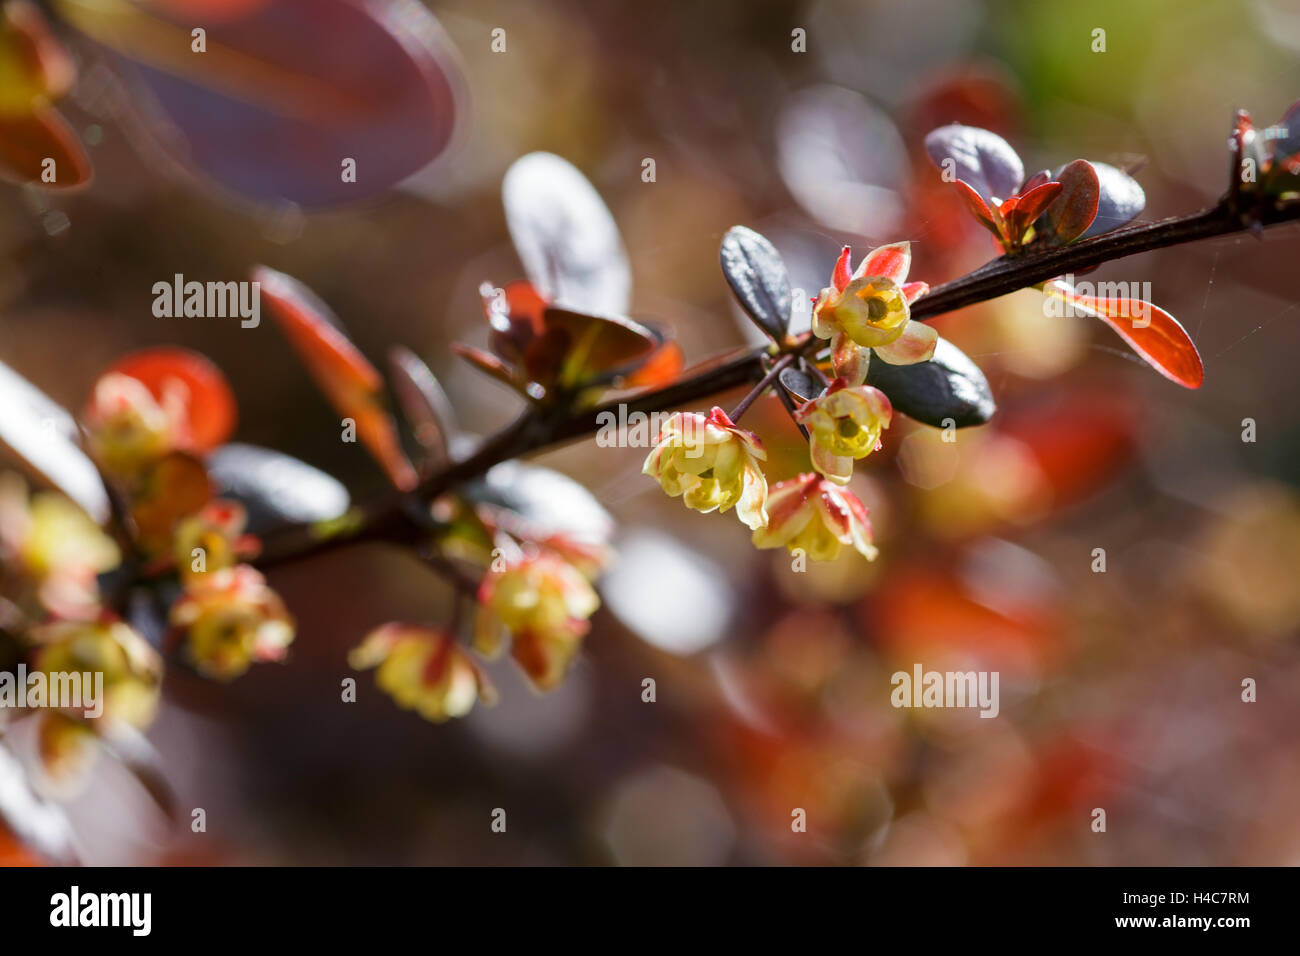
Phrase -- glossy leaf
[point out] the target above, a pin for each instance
(842, 159)
(350, 382)
(289, 89)
(948, 386)
(566, 237)
(1120, 199)
(1075, 208)
(210, 404)
(45, 436)
(37, 823)
(983, 160)
(1148, 329)
(275, 488)
(423, 402)
(596, 348)
(27, 141)
(757, 275)
(799, 384)
(551, 503)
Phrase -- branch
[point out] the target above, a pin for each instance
(399, 520)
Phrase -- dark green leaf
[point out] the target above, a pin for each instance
(758, 277)
(949, 386)
(800, 384)
(275, 488)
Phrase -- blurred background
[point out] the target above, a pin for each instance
(1120, 690)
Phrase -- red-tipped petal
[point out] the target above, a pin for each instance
(914, 290)
(891, 261)
(843, 273)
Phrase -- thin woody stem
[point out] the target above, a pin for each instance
(389, 519)
(777, 368)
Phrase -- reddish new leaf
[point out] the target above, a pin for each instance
(1148, 329)
(26, 142)
(1074, 209)
(1027, 207)
(351, 383)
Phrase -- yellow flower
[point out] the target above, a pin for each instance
(127, 427)
(54, 543)
(845, 423)
(542, 603)
(424, 670)
(816, 516)
(132, 669)
(212, 539)
(870, 310)
(232, 618)
(712, 464)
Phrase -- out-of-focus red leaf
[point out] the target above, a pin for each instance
(34, 67)
(922, 614)
(488, 363)
(351, 383)
(210, 404)
(515, 313)
(27, 141)
(662, 368)
(287, 90)
(1073, 211)
(1079, 442)
(1148, 329)
(174, 487)
(209, 10)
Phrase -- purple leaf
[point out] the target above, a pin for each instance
(984, 160)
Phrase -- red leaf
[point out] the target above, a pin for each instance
(1073, 211)
(662, 368)
(1028, 207)
(27, 141)
(486, 362)
(597, 348)
(352, 384)
(1148, 329)
(979, 209)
